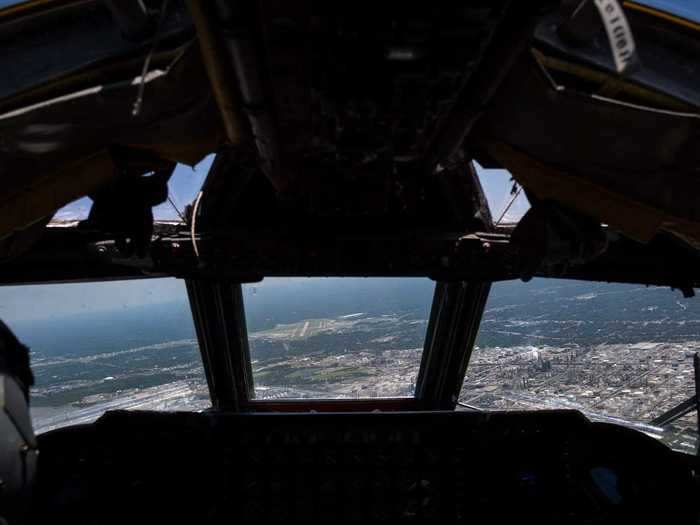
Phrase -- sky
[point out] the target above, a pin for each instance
(54, 301)
(497, 185)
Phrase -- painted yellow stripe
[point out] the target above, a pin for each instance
(661, 14)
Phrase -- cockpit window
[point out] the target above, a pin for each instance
(619, 353)
(106, 346)
(336, 338)
(505, 197)
(183, 186)
(73, 212)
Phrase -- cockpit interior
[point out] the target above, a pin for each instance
(345, 140)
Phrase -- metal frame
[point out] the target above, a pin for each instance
(677, 412)
(219, 319)
(454, 324)
(71, 254)
(685, 407)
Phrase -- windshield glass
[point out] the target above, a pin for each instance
(106, 346)
(619, 353)
(336, 338)
(183, 186)
(507, 202)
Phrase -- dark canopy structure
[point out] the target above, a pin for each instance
(345, 138)
(345, 142)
